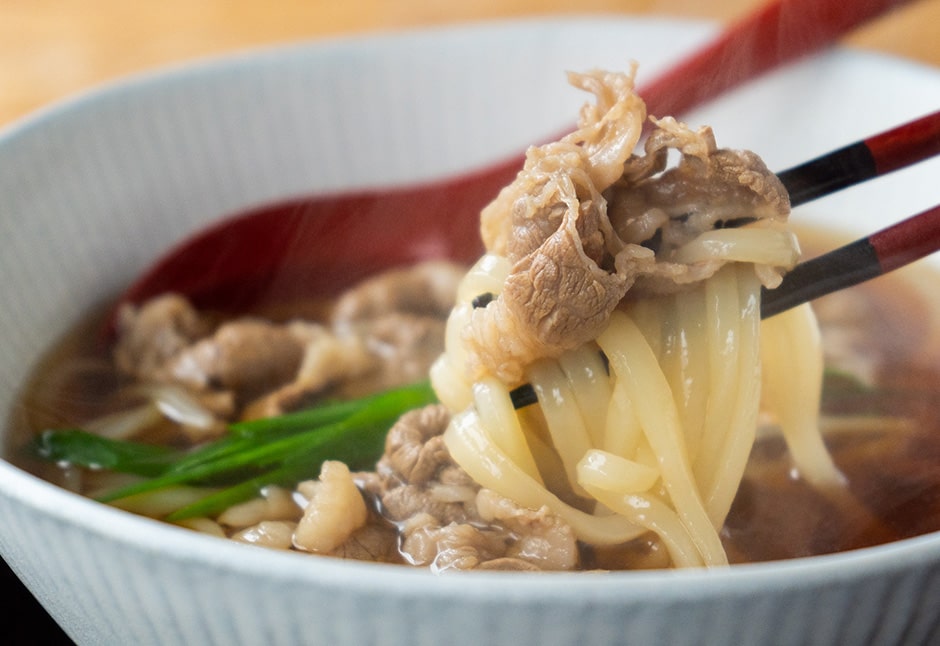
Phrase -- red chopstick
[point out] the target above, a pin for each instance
(777, 33)
(856, 262)
(863, 160)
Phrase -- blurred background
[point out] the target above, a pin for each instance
(51, 49)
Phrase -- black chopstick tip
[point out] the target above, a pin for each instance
(523, 396)
(849, 265)
(829, 173)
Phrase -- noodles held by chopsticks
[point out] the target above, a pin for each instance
(646, 422)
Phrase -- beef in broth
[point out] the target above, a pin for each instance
(882, 416)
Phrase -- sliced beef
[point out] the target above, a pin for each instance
(426, 289)
(335, 510)
(385, 332)
(404, 346)
(446, 520)
(151, 334)
(586, 220)
(327, 360)
(246, 356)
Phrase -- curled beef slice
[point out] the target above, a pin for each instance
(150, 334)
(556, 298)
(607, 132)
(709, 188)
(417, 474)
(403, 345)
(540, 538)
(376, 354)
(414, 452)
(434, 503)
(328, 359)
(246, 356)
(427, 289)
(579, 238)
(511, 538)
(569, 269)
(608, 129)
(334, 511)
(455, 546)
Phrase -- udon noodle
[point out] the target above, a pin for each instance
(660, 443)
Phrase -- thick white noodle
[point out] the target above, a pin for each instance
(764, 246)
(739, 439)
(562, 416)
(588, 379)
(633, 361)
(722, 315)
(692, 386)
(492, 401)
(791, 353)
(655, 515)
(470, 446)
(622, 434)
(615, 473)
(447, 373)
(485, 277)
(449, 385)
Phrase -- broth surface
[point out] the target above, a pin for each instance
(881, 406)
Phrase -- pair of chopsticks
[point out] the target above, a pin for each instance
(875, 254)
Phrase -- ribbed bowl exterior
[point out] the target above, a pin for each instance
(108, 588)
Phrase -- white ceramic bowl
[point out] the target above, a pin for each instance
(93, 189)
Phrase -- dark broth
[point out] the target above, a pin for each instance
(893, 469)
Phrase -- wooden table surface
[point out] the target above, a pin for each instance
(50, 49)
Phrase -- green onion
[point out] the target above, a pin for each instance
(80, 448)
(300, 420)
(216, 502)
(279, 450)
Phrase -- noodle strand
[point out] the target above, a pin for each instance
(632, 359)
